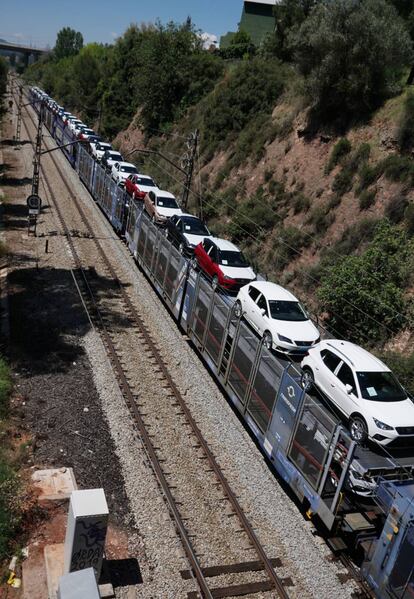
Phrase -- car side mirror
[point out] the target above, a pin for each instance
(348, 389)
(263, 312)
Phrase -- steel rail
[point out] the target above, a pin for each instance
(125, 387)
(203, 443)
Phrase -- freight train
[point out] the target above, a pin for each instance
(361, 497)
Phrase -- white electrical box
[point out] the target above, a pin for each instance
(78, 585)
(86, 531)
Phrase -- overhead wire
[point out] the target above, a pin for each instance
(335, 331)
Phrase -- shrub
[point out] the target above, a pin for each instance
(252, 218)
(367, 199)
(320, 219)
(352, 55)
(361, 306)
(300, 203)
(351, 240)
(343, 181)
(368, 175)
(405, 134)
(287, 246)
(398, 168)
(340, 149)
(395, 209)
(403, 367)
(409, 219)
(268, 174)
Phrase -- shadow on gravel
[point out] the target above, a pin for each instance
(13, 142)
(15, 215)
(121, 572)
(48, 317)
(15, 181)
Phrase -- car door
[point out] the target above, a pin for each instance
(203, 258)
(259, 318)
(347, 402)
(249, 306)
(176, 229)
(325, 373)
(213, 256)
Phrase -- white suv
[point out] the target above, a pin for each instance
(363, 389)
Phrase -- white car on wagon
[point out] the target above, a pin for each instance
(364, 389)
(278, 316)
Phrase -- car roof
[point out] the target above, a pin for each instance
(127, 164)
(186, 215)
(358, 357)
(224, 244)
(272, 291)
(110, 152)
(105, 143)
(164, 194)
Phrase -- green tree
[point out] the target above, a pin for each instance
(352, 55)
(289, 15)
(361, 293)
(68, 43)
(240, 46)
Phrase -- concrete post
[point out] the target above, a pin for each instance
(78, 584)
(86, 531)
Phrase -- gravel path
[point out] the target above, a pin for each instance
(278, 523)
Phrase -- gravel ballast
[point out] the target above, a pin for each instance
(277, 521)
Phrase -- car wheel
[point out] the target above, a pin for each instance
(166, 232)
(153, 219)
(358, 429)
(214, 282)
(181, 248)
(194, 263)
(238, 309)
(267, 340)
(307, 379)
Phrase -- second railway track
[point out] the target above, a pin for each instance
(219, 542)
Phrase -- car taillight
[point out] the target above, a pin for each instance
(141, 194)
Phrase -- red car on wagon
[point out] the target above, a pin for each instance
(138, 185)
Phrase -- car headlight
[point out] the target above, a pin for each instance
(285, 339)
(227, 278)
(383, 426)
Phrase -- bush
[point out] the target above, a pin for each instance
(340, 149)
(368, 175)
(343, 181)
(288, 245)
(398, 168)
(334, 202)
(405, 134)
(320, 219)
(367, 199)
(249, 90)
(300, 203)
(395, 209)
(361, 306)
(409, 219)
(402, 366)
(352, 55)
(252, 218)
(351, 240)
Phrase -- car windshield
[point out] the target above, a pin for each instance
(193, 226)
(232, 258)
(146, 181)
(380, 386)
(128, 169)
(114, 156)
(167, 202)
(287, 310)
(104, 147)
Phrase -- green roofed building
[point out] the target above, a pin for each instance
(257, 20)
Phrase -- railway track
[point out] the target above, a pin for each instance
(206, 560)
